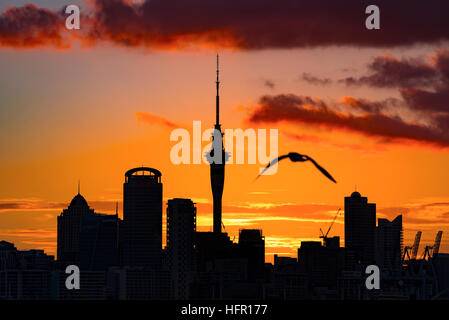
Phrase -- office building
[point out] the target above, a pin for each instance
(360, 228)
(87, 239)
(181, 228)
(252, 247)
(142, 218)
(389, 241)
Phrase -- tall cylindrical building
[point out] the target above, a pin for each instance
(360, 228)
(142, 218)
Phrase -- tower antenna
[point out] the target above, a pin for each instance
(79, 183)
(217, 104)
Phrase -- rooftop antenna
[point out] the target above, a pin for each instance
(116, 208)
(79, 186)
(217, 111)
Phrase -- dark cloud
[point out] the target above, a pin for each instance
(245, 24)
(314, 112)
(388, 71)
(257, 24)
(26, 205)
(315, 80)
(422, 83)
(435, 99)
(426, 100)
(442, 64)
(30, 26)
(269, 83)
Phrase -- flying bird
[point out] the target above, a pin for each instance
(296, 157)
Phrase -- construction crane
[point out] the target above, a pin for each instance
(436, 246)
(431, 252)
(411, 252)
(416, 245)
(324, 236)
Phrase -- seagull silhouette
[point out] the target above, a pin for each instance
(296, 157)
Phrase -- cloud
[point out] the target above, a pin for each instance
(256, 24)
(29, 205)
(388, 71)
(420, 215)
(263, 211)
(245, 25)
(38, 205)
(151, 119)
(321, 141)
(269, 83)
(423, 84)
(315, 80)
(30, 26)
(303, 110)
(29, 233)
(436, 100)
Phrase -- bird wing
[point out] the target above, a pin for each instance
(323, 171)
(273, 162)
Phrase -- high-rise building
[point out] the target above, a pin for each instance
(142, 218)
(360, 229)
(99, 242)
(25, 274)
(322, 265)
(69, 228)
(389, 243)
(252, 248)
(181, 228)
(85, 238)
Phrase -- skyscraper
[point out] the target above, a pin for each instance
(389, 243)
(99, 242)
(217, 163)
(181, 228)
(85, 238)
(360, 228)
(142, 218)
(69, 228)
(252, 248)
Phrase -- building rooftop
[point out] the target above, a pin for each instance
(78, 201)
(356, 194)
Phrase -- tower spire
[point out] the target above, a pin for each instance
(79, 186)
(217, 103)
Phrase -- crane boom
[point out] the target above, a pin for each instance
(436, 246)
(335, 218)
(416, 245)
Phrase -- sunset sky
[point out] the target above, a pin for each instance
(372, 107)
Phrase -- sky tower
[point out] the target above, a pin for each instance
(217, 164)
